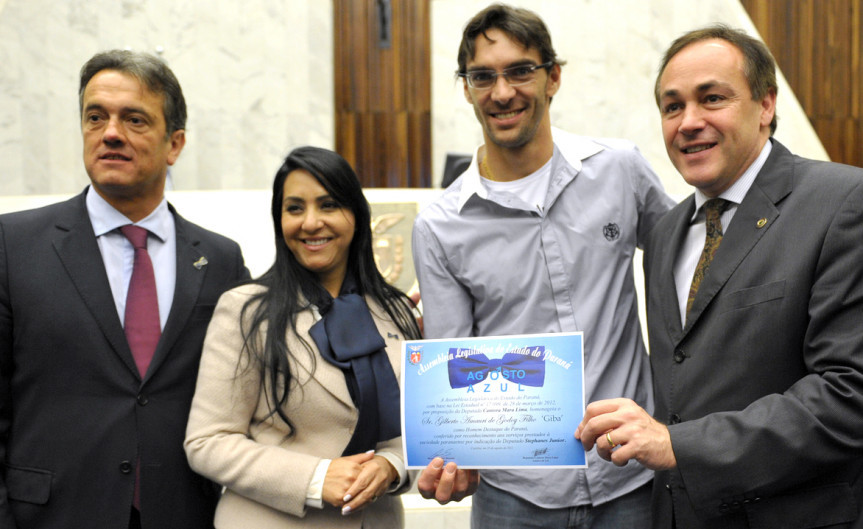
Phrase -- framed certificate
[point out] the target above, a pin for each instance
(500, 402)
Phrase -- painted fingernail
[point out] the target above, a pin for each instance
(346, 510)
(347, 498)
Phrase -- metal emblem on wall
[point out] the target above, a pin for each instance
(392, 223)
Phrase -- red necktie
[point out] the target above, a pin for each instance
(142, 316)
(142, 306)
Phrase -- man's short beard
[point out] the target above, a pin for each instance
(524, 136)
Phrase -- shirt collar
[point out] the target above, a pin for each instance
(738, 189)
(573, 149)
(105, 218)
(471, 183)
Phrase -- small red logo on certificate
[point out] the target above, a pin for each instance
(416, 353)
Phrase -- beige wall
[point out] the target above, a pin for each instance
(258, 76)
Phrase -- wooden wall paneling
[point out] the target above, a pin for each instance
(419, 149)
(858, 142)
(383, 94)
(838, 59)
(415, 76)
(800, 48)
(817, 45)
(821, 67)
(347, 145)
(853, 142)
(856, 69)
(840, 137)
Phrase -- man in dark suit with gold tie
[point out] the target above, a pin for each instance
(754, 306)
(104, 302)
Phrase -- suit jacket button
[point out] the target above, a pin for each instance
(673, 418)
(143, 400)
(126, 467)
(679, 356)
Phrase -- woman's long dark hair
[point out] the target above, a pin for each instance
(288, 285)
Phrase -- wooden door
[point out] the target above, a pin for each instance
(383, 90)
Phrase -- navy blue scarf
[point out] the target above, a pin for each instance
(347, 337)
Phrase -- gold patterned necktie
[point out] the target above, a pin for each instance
(713, 209)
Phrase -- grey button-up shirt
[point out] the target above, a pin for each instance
(490, 264)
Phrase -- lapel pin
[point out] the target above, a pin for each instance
(761, 223)
(200, 263)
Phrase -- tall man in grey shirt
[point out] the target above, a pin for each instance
(538, 236)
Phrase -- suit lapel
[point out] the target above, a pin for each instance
(753, 218)
(191, 270)
(330, 377)
(76, 246)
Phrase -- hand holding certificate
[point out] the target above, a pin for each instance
(504, 402)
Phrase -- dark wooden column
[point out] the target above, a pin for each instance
(383, 90)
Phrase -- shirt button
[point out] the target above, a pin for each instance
(126, 467)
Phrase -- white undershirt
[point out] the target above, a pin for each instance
(532, 188)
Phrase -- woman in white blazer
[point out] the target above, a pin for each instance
(301, 426)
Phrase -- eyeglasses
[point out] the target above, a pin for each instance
(515, 76)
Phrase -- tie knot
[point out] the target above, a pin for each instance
(136, 235)
(714, 207)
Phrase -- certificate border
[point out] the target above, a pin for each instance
(472, 340)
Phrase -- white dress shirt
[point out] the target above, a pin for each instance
(119, 255)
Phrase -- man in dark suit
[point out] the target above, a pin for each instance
(755, 313)
(91, 434)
